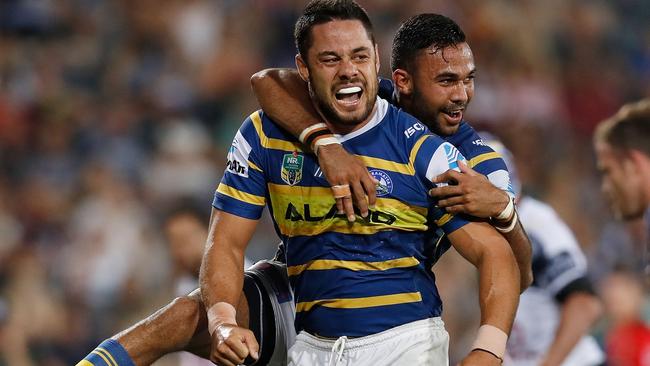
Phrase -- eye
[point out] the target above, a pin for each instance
(361, 57)
(329, 60)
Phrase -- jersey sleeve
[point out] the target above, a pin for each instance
(242, 190)
(432, 157)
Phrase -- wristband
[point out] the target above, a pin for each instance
(490, 352)
(312, 134)
(492, 340)
(311, 129)
(507, 211)
(324, 141)
(510, 226)
(221, 313)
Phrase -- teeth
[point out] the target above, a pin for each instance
(350, 90)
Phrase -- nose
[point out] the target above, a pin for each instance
(460, 94)
(348, 69)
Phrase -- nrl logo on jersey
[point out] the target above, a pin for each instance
(292, 168)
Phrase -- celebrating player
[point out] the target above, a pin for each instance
(187, 313)
(366, 279)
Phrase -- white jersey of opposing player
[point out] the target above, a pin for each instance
(558, 260)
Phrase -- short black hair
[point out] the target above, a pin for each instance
(423, 31)
(323, 11)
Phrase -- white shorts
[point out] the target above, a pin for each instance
(423, 342)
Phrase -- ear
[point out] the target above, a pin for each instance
(641, 162)
(303, 70)
(403, 81)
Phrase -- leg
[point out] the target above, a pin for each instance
(181, 325)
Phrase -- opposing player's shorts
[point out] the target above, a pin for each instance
(271, 311)
(423, 342)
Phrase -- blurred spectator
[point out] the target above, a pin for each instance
(628, 338)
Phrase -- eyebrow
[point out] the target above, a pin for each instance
(332, 53)
(454, 75)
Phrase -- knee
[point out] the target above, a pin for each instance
(188, 307)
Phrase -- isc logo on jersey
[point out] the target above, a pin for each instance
(238, 156)
(413, 129)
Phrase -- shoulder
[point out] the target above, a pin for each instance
(470, 143)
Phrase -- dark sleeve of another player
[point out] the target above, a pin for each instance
(386, 90)
(579, 285)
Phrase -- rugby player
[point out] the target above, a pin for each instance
(185, 317)
(622, 145)
(369, 279)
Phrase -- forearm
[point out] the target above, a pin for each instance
(222, 266)
(522, 250)
(579, 312)
(482, 246)
(284, 96)
(498, 288)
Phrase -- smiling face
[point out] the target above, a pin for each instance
(341, 68)
(438, 87)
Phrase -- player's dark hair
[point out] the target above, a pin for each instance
(629, 129)
(423, 31)
(323, 11)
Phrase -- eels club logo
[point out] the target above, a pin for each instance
(385, 185)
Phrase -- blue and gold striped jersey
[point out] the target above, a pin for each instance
(481, 158)
(358, 278)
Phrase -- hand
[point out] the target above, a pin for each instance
(480, 358)
(232, 344)
(474, 194)
(341, 167)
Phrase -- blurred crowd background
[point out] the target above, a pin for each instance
(113, 114)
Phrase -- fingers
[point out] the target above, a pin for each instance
(359, 197)
(253, 346)
(234, 349)
(349, 209)
(225, 356)
(370, 186)
(451, 201)
(465, 169)
(446, 191)
(339, 206)
(448, 176)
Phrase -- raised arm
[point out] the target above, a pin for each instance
(284, 96)
(482, 246)
(475, 195)
(580, 309)
(223, 263)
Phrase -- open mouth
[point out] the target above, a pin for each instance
(454, 115)
(349, 95)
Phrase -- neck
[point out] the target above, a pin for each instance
(343, 128)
